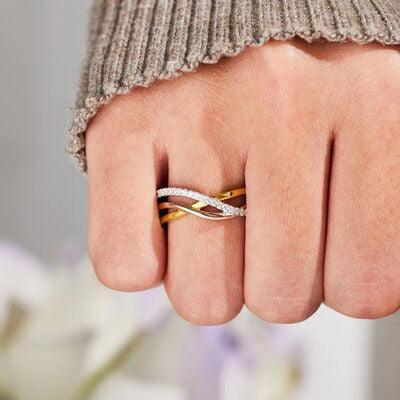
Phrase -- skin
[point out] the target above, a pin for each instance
(312, 131)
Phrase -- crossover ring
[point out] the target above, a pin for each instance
(226, 211)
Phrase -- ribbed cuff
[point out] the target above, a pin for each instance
(135, 42)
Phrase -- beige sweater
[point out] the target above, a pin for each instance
(136, 42)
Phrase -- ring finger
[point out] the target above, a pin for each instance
(204, 277)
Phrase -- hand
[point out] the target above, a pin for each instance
(312, 131)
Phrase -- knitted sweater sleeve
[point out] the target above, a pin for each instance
(136, 42)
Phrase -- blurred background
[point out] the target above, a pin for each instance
(63, 336)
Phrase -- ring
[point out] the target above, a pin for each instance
(226, 211)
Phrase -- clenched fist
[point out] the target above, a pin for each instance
(311, 131)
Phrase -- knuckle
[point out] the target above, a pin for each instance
(369, 88)
(283, 309)
(365, 300)
(124, 272)
(116, 281)
(199, 313)
(105, 137)
(110, 131)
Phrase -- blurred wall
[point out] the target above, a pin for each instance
(43, 198)
(386, 359)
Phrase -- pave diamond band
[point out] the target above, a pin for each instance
(226, 211)
(191, 194)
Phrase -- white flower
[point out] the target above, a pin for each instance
(64, 336)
